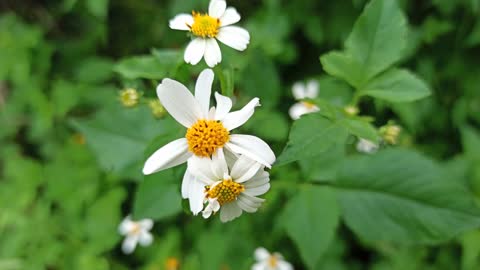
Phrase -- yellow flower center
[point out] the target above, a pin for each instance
(135, 229)
(204, 26)
(272, 261)
(205, 136)
(225, 191)
(309, 105)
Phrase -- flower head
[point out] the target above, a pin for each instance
(226, 185)
(208, 129)
(129, 97)
(366, 146)
(390, 132)
(156, 108)
(302, 91)
(267, 261)
(207, 28)
(135, 232)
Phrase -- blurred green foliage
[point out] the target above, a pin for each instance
(71, 154)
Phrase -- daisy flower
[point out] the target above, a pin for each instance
(207, 29)
(366, 146)
(135, 232)
(208, 129)
(302, 91)
(224, 185)
(267, 261)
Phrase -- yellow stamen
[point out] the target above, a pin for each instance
(204, 26)
(205, 136)
(272, 261)
(225, 191)
(135, 229)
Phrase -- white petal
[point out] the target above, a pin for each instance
(145, 238)
(252, 147)
(230, 16)
(129, 244)
(244, 169)
(283, 265)
(179, 102)
(312, 89)
(196, 196)
(261, 254)
(194, 51)
(257, 180)
(224, 105)
(181, 22)
(219, 164)
(230, 211)
(126, 226)
(216, 8)
(212, 54)
(299, 90)
(201, 168)
(257, 191)
(234, 36)
(246, 204)
(203, 89)
(237, 118)
(298, 109)
(188, 178)
(172, 154)
(146, 224)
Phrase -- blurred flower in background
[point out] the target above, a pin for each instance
(267, 261)
(366, 146)
(303, 91)
(206, 28)
(135, 232)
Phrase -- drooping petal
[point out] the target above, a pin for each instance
(201, 168)
(312, 89)
(129, 244)
(283, 265)
(179, 102)
(257, 191)
(126, 226)
(181, 22)
(234, 36)
(257, 180)
(261, 254)
(196, 196)
(219, 164)
(188, 178)
(230, 16)
(145, 238)
(203, 89)
(247, 204)
(172, 154)
(213, 55)
(224, 105)
(299, 90)
(230, 211)
(216, 8)
(252, 147)
(194, 51)
(146, 224)
(244, 169)
(298, 109)
(237, 118)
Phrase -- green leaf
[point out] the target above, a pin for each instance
(119, 136)
(269, 125)
(361, 129)
(157, 66)
(226, 78)
(310, 136)
(311, 219)
(397, 85)
(158, 197)
(401, 196)
(323, 167)
(471, 143)
(343, 66)
(378, 37)
(98, 8)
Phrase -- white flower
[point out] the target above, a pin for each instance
(135, 232)
(366, 146)
(206, 28)
(267, 261)
(208, 129)
(225, 185)
(301, 91)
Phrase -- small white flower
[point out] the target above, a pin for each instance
(207, 28)
(366, 146)
(208, 129)
(230, 187)
(267, 261)
(301, 91)
(135, 232)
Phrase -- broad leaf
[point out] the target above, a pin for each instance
(343, 66)
(157, 66)
(397, 85)
(311, 219)
(361, 129)
(310, 136)
(401, 196)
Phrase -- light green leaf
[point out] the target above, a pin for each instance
(98, 8)
(378, 37)
(401, 196)
(343, 66)
(397, 85)
(158, 197)
(226, 77)
(361, 129)
(157, 66)
(310, 136)
(311, 219)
